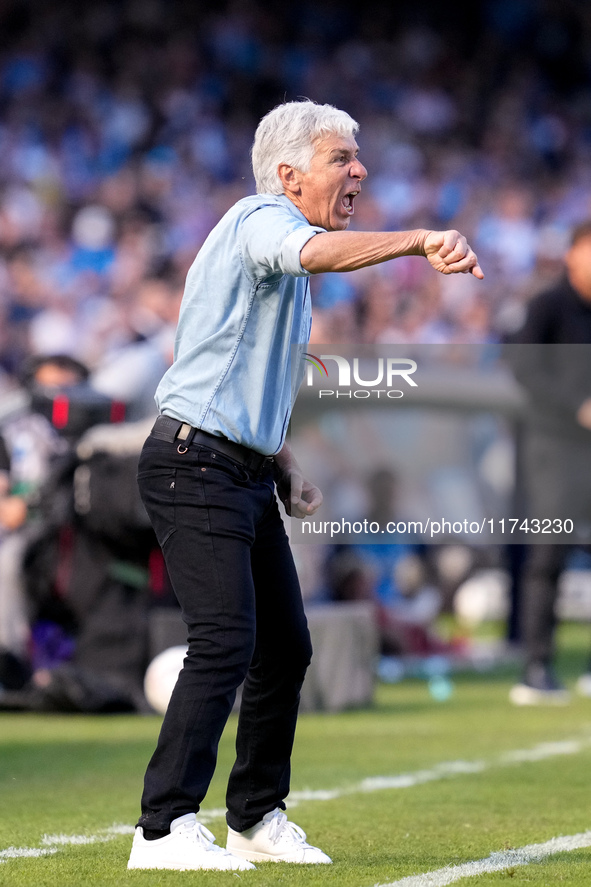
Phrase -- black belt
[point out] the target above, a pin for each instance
(169, 429)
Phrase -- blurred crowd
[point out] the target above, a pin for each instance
(125, 130)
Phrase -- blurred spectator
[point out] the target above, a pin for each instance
(131, 372)
(395, 577)
(124, 140)
(557, 455)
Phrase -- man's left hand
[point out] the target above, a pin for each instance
(304, 497)
(300, 497)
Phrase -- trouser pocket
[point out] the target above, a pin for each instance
(158, 492)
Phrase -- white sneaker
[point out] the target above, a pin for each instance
(274, 839)
(584, 685)
(523, 694)
(188, 846)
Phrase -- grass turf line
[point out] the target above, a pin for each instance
(504, 861)
(71, 775)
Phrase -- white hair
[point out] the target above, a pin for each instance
(288, 134)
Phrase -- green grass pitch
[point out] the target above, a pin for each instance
(65, 776)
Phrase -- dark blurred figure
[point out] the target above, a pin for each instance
(76, 633)
(557, 454)
(29, 446)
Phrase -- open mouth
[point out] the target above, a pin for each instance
(347, 202)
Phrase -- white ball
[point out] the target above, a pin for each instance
(483, 597)
(161, 676)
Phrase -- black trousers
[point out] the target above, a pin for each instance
(232, 570)
(557, 484)
(543, 566)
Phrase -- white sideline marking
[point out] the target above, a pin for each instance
(209, 815)
(121, 829)
(444, 770)
(542, 751)
(496, 862)
(23, 852)
(62, 840)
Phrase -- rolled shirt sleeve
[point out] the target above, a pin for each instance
(271, 240)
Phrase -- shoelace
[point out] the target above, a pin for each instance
(280, 823)
(203, 836)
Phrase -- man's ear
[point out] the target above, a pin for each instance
(289, 177)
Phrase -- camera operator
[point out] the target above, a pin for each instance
(82, 578)
(29, 445)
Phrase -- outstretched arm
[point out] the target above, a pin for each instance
(447, 251)
(300, 497)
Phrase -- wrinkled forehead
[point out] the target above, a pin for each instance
(335, 143)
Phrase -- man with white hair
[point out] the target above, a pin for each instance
(208, 474)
